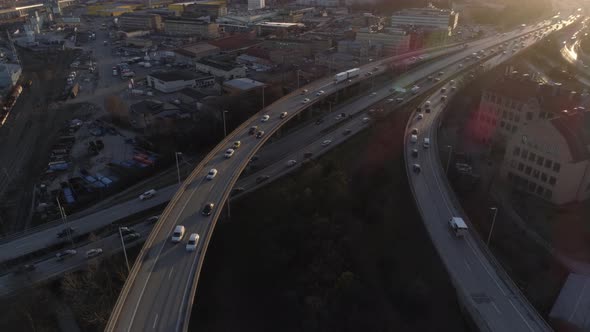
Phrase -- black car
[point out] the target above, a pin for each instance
(207, 209)
(346, 132)
(414, 153)
(319, 121)
(65, 232)
(416, 168)
(252, 130)
(131, 237)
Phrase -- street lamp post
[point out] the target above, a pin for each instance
(124, 249)
(176, 154)
(449, 157)
(264, 86)
(224, 125)
(298, 71)
(64, 218)
(495, 209)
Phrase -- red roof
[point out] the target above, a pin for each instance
(235, 42)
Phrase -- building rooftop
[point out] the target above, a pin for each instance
(194, 20)
(244, 84)
(198, 48)
(177, 75)
(147, 106)
(225, 66)
(235, 42)
(192, 93)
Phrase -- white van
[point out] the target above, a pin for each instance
(426, 143)
(458, 226)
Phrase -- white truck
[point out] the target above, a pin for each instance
(346, 75)
(458, 226)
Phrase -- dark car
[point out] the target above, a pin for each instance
(262, 178)
(25, 268)
(346, 132)
(252, 130)
(416, 168)
(65, 232)
(127, 230)
(131, 237)
(64, 254)
(415, 153)
(259, 134)
(319, 121)
(207, 209)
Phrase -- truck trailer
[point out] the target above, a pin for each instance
(346, 75)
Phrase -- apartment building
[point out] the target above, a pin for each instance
(512, 103)
(550, 158)
(391, 41)
(184, 26)
(140, 21)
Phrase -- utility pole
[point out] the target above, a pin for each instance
(176, 154)
(124, 249)
(264, 86)
(224, 125)
(62, 212)
(495, 209)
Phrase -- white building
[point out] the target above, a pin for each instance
(168, 82)
(9, 74)
(429, 18)
(255, 4)
(225, 70)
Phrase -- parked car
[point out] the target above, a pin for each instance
(148, 194)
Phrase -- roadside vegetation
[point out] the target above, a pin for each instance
(337, 247)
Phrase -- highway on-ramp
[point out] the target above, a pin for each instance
(159, 292)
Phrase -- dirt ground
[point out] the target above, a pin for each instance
(26, 137)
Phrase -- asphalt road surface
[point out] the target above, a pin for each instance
(159, 292)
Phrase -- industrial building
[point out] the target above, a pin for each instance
(191, 26)
(222, 69)
(173, 81)
(140, 21)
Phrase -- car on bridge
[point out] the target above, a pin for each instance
(291, 163)
(319, 93)
(236, 145)
(229, 153)
(93, 252)
(212, 173)
(416, 168)
(193, 240)
(147, 195)
(305, 101)
(265, 118)
(65, 232)
(326, 142)
(177, 234)
(64, 254)
(259, 134)
(131, 237)
(283, 115)
(207, 209)
(253, 130)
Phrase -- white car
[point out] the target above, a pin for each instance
(420, 117)
(365, 120)
(291, 163)
(283, 115)
(413, 139)
(229, 153)
(326, 142)
(265, 118)
(212, 173)
(178, 233)
(427, 103)
(93, 252)
(147, 195)
(305, 101)
(191, 245)
(319, 93)
(373, 94)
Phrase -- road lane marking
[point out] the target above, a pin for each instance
(155, 322)
(468, 266)
(496, 307)
(170, 273)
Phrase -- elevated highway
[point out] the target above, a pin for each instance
(159, 292)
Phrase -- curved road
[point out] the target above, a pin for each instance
(158, 294)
